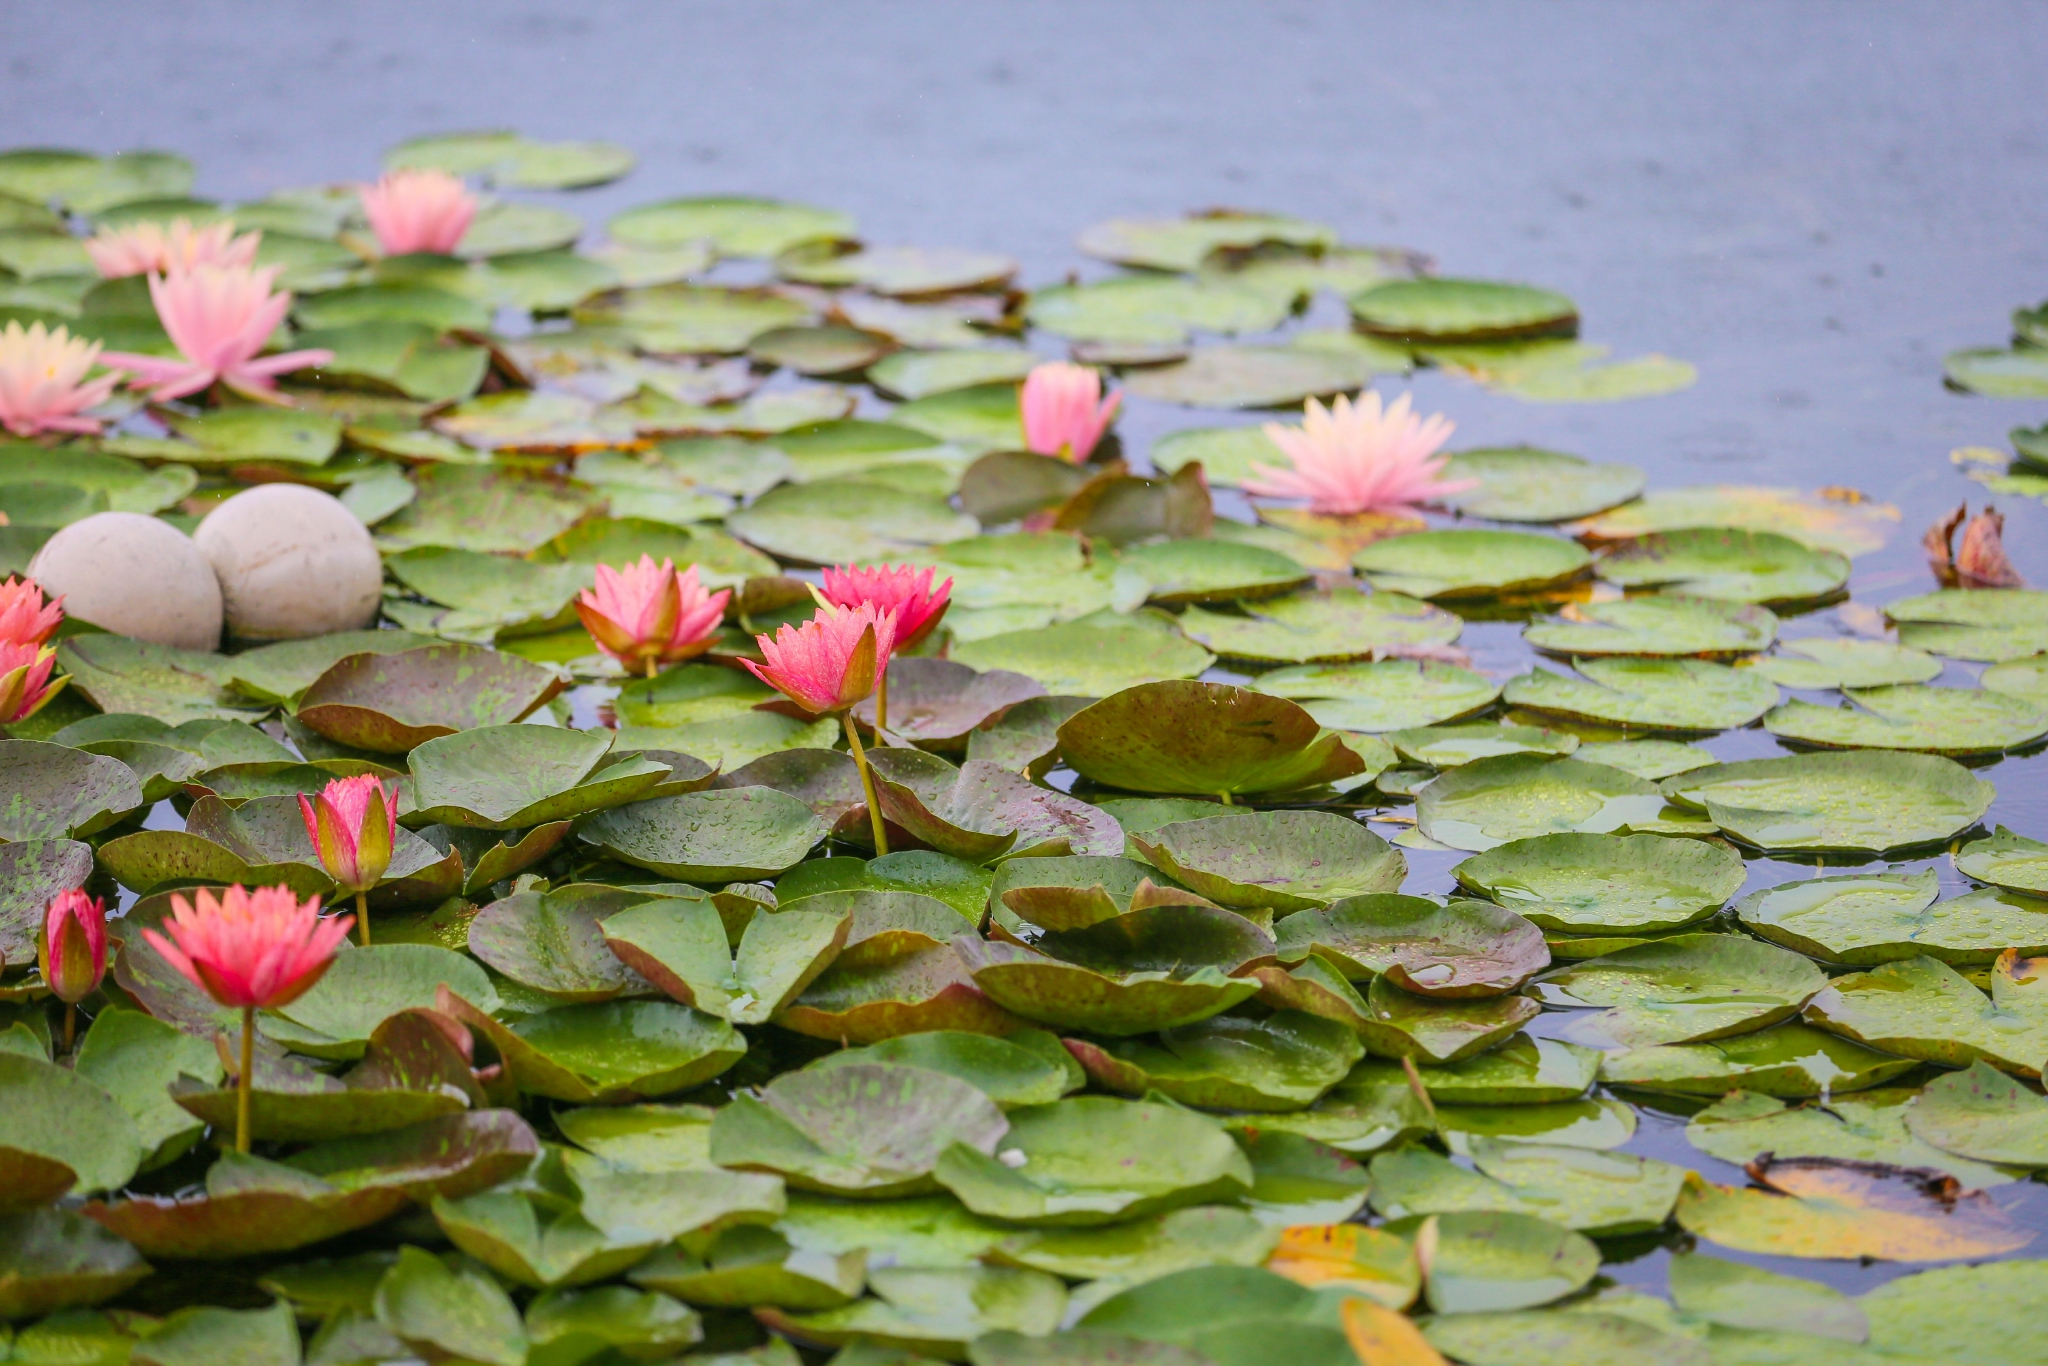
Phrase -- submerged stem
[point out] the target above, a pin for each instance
(867, 782)
(363, 916)
(245, 1081)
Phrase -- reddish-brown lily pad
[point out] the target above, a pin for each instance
(390, 703)
(980, 811)
(936, 703)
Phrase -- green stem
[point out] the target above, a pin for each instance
(882, 706)
(1226, 798)
(244, 1083)
(867, 782)
(363, 916)
(70, 1025)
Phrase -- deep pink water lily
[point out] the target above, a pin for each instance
(72, 952)
(219, 318)
(902, 589)
(249, 951)
(353, 824)
(418, 210)
(1064, 411)
(43, 387)
(25, 684)
(24, 617)
(153, 249)
(1359, 457)
(648, 616)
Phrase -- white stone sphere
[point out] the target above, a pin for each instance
(292, 562)
(133, 575)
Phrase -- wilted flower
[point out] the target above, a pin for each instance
(418, 210)
(251, 951)
(25, 686)
(152, 249)
(42, 380)
(1981, 561)
(353, 824)
(72, 952)
(24, 617)
(1064, 411)
(1359, 457)
(647, 616)
(219, 318)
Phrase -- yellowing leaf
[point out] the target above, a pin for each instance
(1820, 1207)
(1383, 1337)
(1365, 1261)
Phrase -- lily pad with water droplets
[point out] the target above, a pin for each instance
(1793, 1060)
(1583, 883)
(1526, 484)
(1686, 989)
(515, 777)
(1859, 801)
(1883, 917)
(1311, 628)
(1465, 564)
(2006, 860)
(736, 835)
(1286, 860)
(684, 948)
(1283, 1062)
(1449, 952)
(1983, 1115)
(1660, 624)
(1913, 716)
(391, 703)
(608, 1051)
(1922, 1008)
(1652, 694)
(1201, 738)
(1381, 695)
(1835, 520)
(1491, 801)
(1824, 662)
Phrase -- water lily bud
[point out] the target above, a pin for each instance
(74, 945)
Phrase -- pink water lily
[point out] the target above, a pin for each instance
(72, 952)
(648, 616)
(219, 318)
(353, 824)
(25, 618)
(153, 249)
(43, 387)
(418, 210)
(1359, 457)
(25, 684)
(899, 588)
(1064, 411)
(249, 951)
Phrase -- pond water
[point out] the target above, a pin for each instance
(1812, 204)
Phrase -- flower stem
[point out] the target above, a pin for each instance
(653, 668)
(882, 704)
(245, 1082)
(867, 782)
(1226, 798)
(363, 916)
(70, 1025)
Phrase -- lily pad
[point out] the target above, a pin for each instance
(1210, 571)
(1864, 919)
(1287, 860)
(735, 835)
(935, 1311)
(610, 1051)
(1182, 244)
(55, 1260)
(1824, 662)
(1491, 1261)
(2004, 860)
(1153, 310)
(493, 510)
(1452, 310)
(2026, 679)
(683, 948)
(1856, 801)
(1984, 1115)
(839, 520)
(1250, 377)
(551, 941)
(513, 777)
(979, 812)
(1316, 628)
(1578, 1188)
(1465, 564)
(920, 374)
(1792, 1060)
(1815, 1207)
(53, 1114)
(1686, 989)
(734, 225)
(1839, 520)
(1584, 883)
(1011, 1072)
(1142, 1250)
(1912, 716)
(1652, 694)
(1517, 796)
(340, 1015)
(1095, 1160)
(1660, 624)
(1866, 1127)
(391, 703)
(1725, 563)
(1382, 695)
(1525, 1070)
(1736, 1295)
(1448, 746)
(922, 988)
(1177, 737)
(1090, 658)
(1524, 1338)
(1465, 949)
(1283, 1062)
(32, 873)
(1526, 484)
(1923, 1008)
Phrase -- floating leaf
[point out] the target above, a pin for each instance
(1984, 1115)
(1820, 662)
(682, 947)
(832, 521)
(391, 703)
(1854, 801)
(2006, 860)
(1287, 860)
(1201, 738)
(1011, 1072)
(513, 777)
(1660, 624)
(1525, 484)
(1448, 746)
(1492, 801)
(1815, 1207)
(51, 1260)
(1284, 1062)
(737, 835)
(736, 226)
(1835, 520)
(1867, 1127)
(920, 374)
(1450, 310)
(1308, 628)
(1581, 1336)
(1465, 949)
(1877, 918)
(1587, 882)
(1736, 565)
(1382, 695)
(1653, 694)
(1913, 716)
(2026, 679)
(1461, 564)
(1487, 1260)
(552, 942)
(55, 1114)
(1793, 1060)
(581, 1053)
(1686, 989)
(1090, 658)
(935, 1311)
(1578, 1188)
(1923, 1008)
(1736, 1295)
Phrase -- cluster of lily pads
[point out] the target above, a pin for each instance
(1134, 1049)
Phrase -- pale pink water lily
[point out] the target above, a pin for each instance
(72, 952)
(249, 951)
(1064, 411)
(25, 618)
(648, 616)
(353, 824)
(153, 249)
(1359, 457)
(418, 210)
(43, 387)
(219, 318)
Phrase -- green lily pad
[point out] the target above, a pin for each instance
(610, 1051)
(1011, 1072)
(873, 1130)
(1182, 244)
(1823, 662)
(1652, 759)
(1250, 377)
(738, 835)
(1074, 892)
(1525, 484)
(508, 159)
(2026, 679)
(1284, 1062)
(1183, 737)
(749, 1265)
(1095, 1160)
(1793, 1060)
(2015, 372)
(1660, 624)
(1153, 310)
(55, 1118)
(1994, 624)
(1464, 564)
(1449, 746)
(1142, 1250)
(1449, 310)
(734, 225)
(1848, 524)
(55, 1260)
(567, 1324)
(978, 419)
(133, 677)
(1288, 860)
(1922, 1008)
(1491, 1261)
(488, 510)
(913, 375)
(1736, 1295)
(1594, 882)
(1315, 628)
(551, 941)
(1725, 563)
(32, 873)
(688, 318)
(1525, 1070)
(1090, 658)
(451, 1312)
(939, 703)
(935, 1311)
(846, 520)
(1686, 989)
(1210, 571)
(1578, 1188)
(134, 1058)
(57, 793)
(1392, 1022)
(513, 777)
(1602, 1123)
(489, 592)
(1365, 1112)
(1464, 949)
(1867, 1127)
(1856, 801)
(342, 1011)
(1006, 486)
(1983, 1115)
(1913, 716)
(930, 1230)
(818, 350)
(931, 876)
(1866, 919)
(980, 812)
(646, 1138)
(2006, 860)
(391, 703)
(1523, 1338)
(1653, 694)
(1492, 801)
(684, 948)
(1381, 695)
(279, 673)
(1296, 1181)
(505, 228)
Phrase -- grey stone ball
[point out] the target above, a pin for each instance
(134, 575)
(292, 562)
